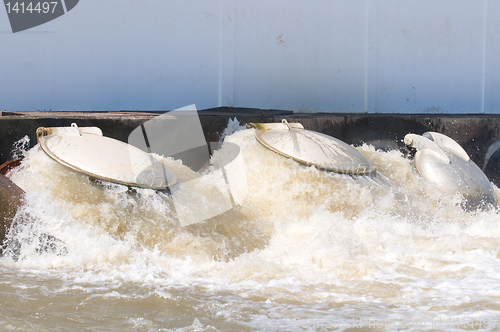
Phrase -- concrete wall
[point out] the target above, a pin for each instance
(315, 56)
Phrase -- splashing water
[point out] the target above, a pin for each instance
(307, 250)
(20, 147)
(233, 125)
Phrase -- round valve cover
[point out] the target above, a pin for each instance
(312, 148)
(107, 159)
(444, 162)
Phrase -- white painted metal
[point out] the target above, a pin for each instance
(106, 159)
(447, 144)
(320, 55)
(73, 130)
(312, 148)
(445, 163)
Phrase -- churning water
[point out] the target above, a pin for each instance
(307, 250)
